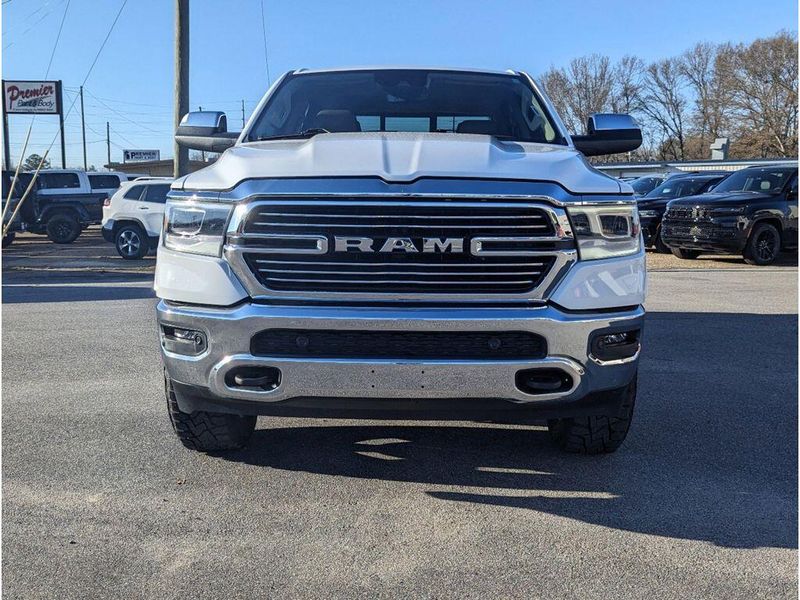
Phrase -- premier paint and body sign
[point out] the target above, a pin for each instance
(140, 155)
(32, 97)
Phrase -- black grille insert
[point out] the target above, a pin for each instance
(422, 345)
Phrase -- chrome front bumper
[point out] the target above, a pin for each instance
(229, 331)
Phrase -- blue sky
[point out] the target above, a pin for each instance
(131, 85)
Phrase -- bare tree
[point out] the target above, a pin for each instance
(557, 86)
(745, 92)
(710, 118)
(762, 83)
(583, 88)
(626, 95)
(664, 104)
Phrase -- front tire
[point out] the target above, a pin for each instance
(63, 228)
(596, 434)
(685, 254)
(763, 246)
(660, 246)
(131, 242)
(207, 431)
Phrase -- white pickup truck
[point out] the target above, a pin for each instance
(406, 241)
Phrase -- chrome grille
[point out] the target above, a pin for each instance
(289, 246)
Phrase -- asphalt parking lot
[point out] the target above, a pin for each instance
(100, 500)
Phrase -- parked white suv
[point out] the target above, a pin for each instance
(133, 216)
(402, 239)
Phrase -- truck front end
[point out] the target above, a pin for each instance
(343, 272)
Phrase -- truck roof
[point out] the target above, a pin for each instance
(404, 68)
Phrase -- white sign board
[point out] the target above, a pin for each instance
(26, 97)
(140, 155)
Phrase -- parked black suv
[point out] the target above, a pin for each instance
(60, 216)
(753, 213)
(654, 203)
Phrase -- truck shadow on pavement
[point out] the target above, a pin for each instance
(712, 453)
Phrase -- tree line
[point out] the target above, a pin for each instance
(745, 92)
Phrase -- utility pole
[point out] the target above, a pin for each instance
(202, 152)
(61, 128)
(83, 133)
(108, 144)
(6, 145)
(181, 80)
(242, 115)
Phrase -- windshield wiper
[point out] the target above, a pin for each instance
(306, 133)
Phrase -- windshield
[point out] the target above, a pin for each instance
(645, 184)
(678, 188)
(762, 179)
(406, 100)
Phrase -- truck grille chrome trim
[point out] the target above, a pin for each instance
(399, 249)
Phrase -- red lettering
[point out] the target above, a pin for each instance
(15, 93)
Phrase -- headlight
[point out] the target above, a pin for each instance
(605, 231)
(648, 214)
(195, 227)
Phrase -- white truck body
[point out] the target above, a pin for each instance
(324, 265)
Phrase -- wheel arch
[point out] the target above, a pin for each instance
(770, 220)
(120, 223)
(71, 210)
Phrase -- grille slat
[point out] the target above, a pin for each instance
(405, 264)
(399, 273)
(389, 225)
(388, 216)
(449, 268)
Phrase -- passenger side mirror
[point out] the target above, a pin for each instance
(609, 133)
(205, 130)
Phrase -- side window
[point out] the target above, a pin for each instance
(104, 182)
(156, 193)
(408, 124)
(369, 122)
(134, 192)
(58, 181)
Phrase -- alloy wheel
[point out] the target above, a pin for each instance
(766, 245)
(129, 242)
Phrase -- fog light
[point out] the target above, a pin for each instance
(615, 346)
(183, 341)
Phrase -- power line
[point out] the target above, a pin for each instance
(116, 112)
(42, 18)
(264, 35)
(94, 62)
(103, 45)
(58, 37)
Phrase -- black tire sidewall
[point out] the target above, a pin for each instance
(685, 254)
(659, 244)
(143, 242)
(54, 232)
(750, 251)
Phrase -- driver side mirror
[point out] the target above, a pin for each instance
(205, 130)
(609, 133)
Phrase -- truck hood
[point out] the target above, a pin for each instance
(402, 157)
(721, 199)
